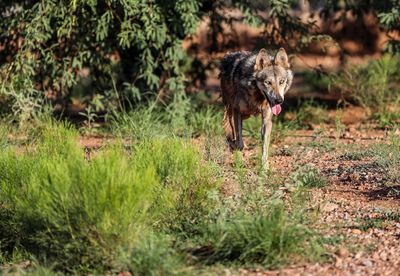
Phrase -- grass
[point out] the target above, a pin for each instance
(87, 209)
(268, 239)
(148, 208)
(182, 117)
(323, 145)
(309, 177)
(307, 114)
(354, 154)
(387, 157)
(379, 222)
(153, 255)
(280, 129)
(374, 86)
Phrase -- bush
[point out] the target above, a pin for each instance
(270, 238)
(88, 49)
(374, 86)
(152, 255)
(77, 213)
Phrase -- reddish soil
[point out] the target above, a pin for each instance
(356, 194)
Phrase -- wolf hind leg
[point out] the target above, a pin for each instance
(237, 120)
(229, 127)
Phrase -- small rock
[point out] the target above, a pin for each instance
(356, 231)
(383, 256)
(366, 262)
(342, 252)
(330, 206)
(338, 262)
(375, 256)
(124, 273)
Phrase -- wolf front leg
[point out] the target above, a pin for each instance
(265, 134)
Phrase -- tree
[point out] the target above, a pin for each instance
(51, 47)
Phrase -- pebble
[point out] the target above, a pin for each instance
(366, 262)
(356, 231)
(383, 256)
(342, 252)
(330, 206)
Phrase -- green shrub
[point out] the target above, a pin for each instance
(207, 120)
(76, 213)
(373, 86)
(152, 255)
(3, 136)
(270, 238)
(141, 123)
(122, 45)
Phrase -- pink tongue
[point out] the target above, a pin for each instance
(276, 109)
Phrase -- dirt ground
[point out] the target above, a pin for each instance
(355, 193)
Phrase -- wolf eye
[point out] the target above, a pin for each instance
(268, 83)
(281, 82)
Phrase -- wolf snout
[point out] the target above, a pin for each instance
(278, 100)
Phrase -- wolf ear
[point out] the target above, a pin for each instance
(262, 60)
(282, 59)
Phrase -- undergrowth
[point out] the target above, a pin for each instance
(51, 195)
(374, 86)
(150, 208)
(387, 157)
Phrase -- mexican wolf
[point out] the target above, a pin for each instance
(253, 83)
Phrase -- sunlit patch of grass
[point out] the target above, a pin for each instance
(373, 86)
(323, 145)
(387, 157)
(354, 154)
(381, 221)
(86, 209)
(307, 114)
(270, 239)
(181, 118)
(280, 129)
(309, 177)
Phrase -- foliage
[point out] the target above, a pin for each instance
(310, 112)
(279, 25)
(373, 86)
(147, 208)
(55, 50)
(88, 210)
(260, 225)
(152, 255)
(387, 12)
(269, 239)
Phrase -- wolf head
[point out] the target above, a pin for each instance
(273, 77)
